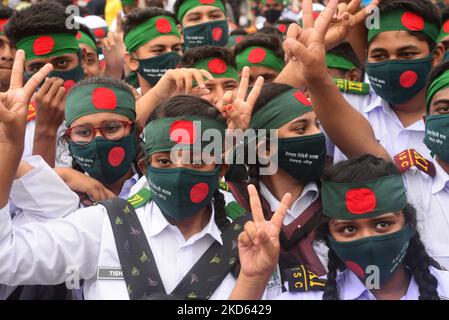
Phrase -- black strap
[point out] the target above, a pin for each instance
(139, 267)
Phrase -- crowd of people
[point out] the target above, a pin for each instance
(212, 149)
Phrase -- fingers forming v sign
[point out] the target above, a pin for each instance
(237, 110)
(259, 242)
(14, 103)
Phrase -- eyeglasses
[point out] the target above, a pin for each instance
(111, 130)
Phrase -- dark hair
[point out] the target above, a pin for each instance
(417, 259)
(184, 105)
(345, 50)
(178, 4)
(238, 32)
(64, 3)
(444, 14)
(268, 41)
(139, 15)
(423, 8)
(267, 93)
(5, 12)
(140, 151)
(40, 18)
(197, 54)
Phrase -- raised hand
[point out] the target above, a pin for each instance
(259, 245)
(237, 110)
(14, 102)
(114, 50)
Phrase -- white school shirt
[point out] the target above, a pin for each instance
(387, 127)
(62, 157)
(308, 196)
(430, 197)
(38, 196)
(351, 288)
(39, 253)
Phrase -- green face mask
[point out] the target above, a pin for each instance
(152, 69)
(437, 135)
(70, 77)
(398, 81)
(213, 33)
(303, 157)
(385, 252)
(106, 160)
(180, 193)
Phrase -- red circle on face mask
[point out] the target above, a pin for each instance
(302, 98)
(360, 200)
(104, 98)
(217, 66)
(68, 84)
(412, 21)
(99, 33)
(43, 45)
(116, 156)
(408, 79)
(257, 55)
(217, 33)
(356, 268)
(199, 192)
(183, 132)
(207, 1)
(78, 35)
(163, 25)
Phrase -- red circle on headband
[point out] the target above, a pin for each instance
(163, 25)
(104, 98)
(183, 132)
(257, 55)
(412, 21)
(207, 1)
(217, 66)
(43, 45)
(360, 200)
(302, 98)
(446, 27)
(99, 33)
(78, 35)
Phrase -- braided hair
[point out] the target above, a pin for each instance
(184, 105)
(417, 259)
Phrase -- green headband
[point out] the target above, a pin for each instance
(49, 45)
(440, 83)
(264, 2)
(404, 20)
(444, 32)
(84, 38)
(281, 110)
(186, 132)
(218, 68)
(259, 57)
(233, 40)
(338, 62)
(362, 200)
(190, 4)
(153, 28)
(96, 98)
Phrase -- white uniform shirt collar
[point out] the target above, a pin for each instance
(310, 191)
(158, 223)
(385, 107)
(441, 179)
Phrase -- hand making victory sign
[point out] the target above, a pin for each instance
(13, 118)
(237, 110)
(259, 248)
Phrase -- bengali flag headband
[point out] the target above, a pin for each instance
(49, 45)
(360, 200)
(153, 28)
(404, 20)
(96, 98)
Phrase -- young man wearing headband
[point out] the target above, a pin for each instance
(7, 51)
(92, 65)
(204, 22)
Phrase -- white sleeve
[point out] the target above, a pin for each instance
(41, 194)
(42, 253)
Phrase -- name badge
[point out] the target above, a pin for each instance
(107, 273)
